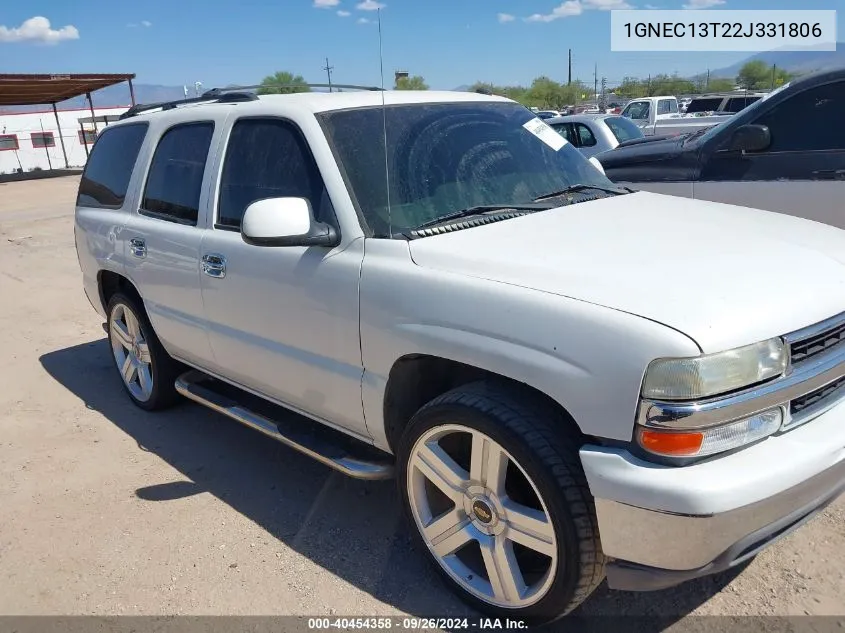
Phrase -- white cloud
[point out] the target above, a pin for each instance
(325, 4)
(146, 23)
(606, 5)
(369, 5)
(363, 21)
(566, 10)
(703, 4)
(38, 30)
(506, 17)
(651, 7)
(344, 14)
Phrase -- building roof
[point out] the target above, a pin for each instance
(37, 89)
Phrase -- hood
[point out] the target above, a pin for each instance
(650, 150)
(724, 275)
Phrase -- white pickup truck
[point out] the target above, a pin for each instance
(569, 381)
(660, 116)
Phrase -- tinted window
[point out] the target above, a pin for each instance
(268, 158)
(810, 120)
(586, 135)
(110, 166)
(737, 104)
(704, 105)
(175, 179)
(623, 129)
(43, 139)
(445, 157)
(637, 111)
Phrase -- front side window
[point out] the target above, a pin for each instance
(448, 157)
(623, 129)
(638, 111)
(565, 130)
(43, 139)
(109, 168)
(268, 158)
(808, 121)
(174, 183)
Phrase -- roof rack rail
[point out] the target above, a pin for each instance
(231, 94)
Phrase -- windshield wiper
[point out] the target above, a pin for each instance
(485, 208)
(581, 187)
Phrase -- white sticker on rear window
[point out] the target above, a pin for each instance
(545, 133)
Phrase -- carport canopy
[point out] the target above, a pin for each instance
(39, 89)
(25, 90)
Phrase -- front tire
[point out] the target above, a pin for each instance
(147, 371)
(492, 482)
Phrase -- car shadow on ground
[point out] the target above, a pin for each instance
(352, 529)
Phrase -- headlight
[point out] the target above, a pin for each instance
(713, 374)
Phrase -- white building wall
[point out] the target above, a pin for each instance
(29, 158)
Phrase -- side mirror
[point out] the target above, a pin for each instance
(597, 164)
(285, 222)
(750, 138)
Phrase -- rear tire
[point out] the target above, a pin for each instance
(543, 522)
(147, 371)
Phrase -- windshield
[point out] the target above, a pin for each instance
(623, 129)
(445, 157)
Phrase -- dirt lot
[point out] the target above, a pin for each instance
(105, 509)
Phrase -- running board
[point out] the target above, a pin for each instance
(332, 448)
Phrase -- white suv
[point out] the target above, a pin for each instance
(569, 380)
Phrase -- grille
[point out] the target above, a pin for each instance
(829, 391)
(807, 348)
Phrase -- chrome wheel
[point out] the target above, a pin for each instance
(481, 516)
(131, 352)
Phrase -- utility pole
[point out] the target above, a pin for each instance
(329, 70)
(603, 100)
(707, 85)
(569, 81)
(595, 81)
(774, 71)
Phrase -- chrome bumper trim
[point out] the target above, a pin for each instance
(804, 378)
(815, 329)
(689, 542)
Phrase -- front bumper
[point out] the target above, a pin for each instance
(662, 525)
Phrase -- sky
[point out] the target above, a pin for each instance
(449, 42)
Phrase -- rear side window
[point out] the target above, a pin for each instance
(586, 135)
(109, 168)
(738, 104)
(564, 130)
(664, 106)
(174, 183)
(704, 105)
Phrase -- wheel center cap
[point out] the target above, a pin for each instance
(136, 350)
(482, 511)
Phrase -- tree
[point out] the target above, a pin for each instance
(292, 83)
(411, 83)
(758, 75)
(721, 84)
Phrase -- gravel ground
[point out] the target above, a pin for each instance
(105, 509)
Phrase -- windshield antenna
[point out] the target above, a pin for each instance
(384, 124)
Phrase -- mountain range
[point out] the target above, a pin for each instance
(798, 62)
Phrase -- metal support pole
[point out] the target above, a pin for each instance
(131, 92)
(46, 147)
(84, 140)
(93, 116)
(61, 138)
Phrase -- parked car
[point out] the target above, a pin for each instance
(730, 103)
(568, 380)
(595, 133)
(547, 114)
(785, 153)
(659, 116)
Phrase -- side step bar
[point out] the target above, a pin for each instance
(326, 445)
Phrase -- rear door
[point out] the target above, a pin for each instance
(802, 173)
(164, 233)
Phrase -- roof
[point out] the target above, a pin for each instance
(36, 89)
(581, 117)
(317, 102)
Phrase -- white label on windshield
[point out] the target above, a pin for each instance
(545, 133)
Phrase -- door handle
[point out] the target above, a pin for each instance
(214, 265)
(138, 247)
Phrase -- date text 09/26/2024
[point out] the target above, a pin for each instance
(416, 624)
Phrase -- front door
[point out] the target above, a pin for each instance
(802, 173)
(283, 321)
